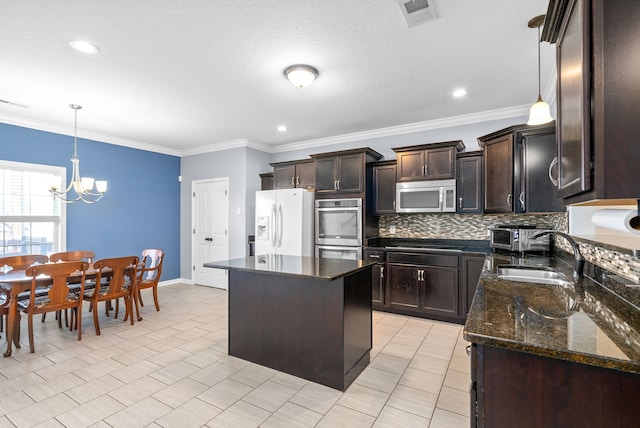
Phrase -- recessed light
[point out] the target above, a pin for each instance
(282, 128)
(459, 93)
(84, 47)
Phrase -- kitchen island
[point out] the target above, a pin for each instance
(545, 355)
(309, 317)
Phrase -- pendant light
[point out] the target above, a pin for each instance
(539, 112)
(80, 188)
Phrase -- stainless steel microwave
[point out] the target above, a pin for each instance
(435, 196)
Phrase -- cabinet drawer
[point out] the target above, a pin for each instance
(375, 255)
(423, 259)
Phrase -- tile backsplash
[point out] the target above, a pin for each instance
(457, 226)
(475, 226)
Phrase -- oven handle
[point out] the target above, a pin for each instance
(441, 203)
(339, 209)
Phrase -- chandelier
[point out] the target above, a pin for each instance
(82, 187)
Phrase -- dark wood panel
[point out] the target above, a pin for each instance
(517, 389)
(325, 174)
(384, 189)
(498, 173)
(403, 287)
(469, 184)
(440, 163)
(284, 176)
(410, 165)
(306, 175)
(441, 291)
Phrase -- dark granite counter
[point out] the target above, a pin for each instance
(294, 266)
(594, 321)
(422, 245)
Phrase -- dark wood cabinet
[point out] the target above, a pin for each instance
(498, 174)
(436, 161)
(424, 284)
(403, 287)
(288, 175)
(384, 187)
(518, 167)
(378, 283)
(469, 186)
(598, 98)
(517, 389)
(266, 181)
(470, 271)
(342, 172)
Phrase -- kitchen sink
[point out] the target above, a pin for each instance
(534, 274)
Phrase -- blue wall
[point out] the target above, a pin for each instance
(141, 208)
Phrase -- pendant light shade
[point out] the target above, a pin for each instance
(540, 113)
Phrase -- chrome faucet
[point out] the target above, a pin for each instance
(578, 268)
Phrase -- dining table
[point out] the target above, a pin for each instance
(16, 281)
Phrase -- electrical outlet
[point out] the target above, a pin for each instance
(392, 230)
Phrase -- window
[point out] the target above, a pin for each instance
(32, 221)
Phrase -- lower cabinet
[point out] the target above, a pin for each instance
(517, 389)
(424, 285)
(428, 285)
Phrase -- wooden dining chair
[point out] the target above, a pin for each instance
(121, 274)
(16, 262)
(58, 296)
(72, 256)
(149, 273)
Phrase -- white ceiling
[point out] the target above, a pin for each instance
(177, 76)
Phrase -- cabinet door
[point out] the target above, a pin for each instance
(574, 102)
(384, 189)
(439, 163)
(325, 174)
(469, 185)
(441, 291)
(471, 270)
(305, 175)
(266, 181)
(283, 177)
(351, 173)
(411, 166)
(378, 288)
(538, 193)
(498, 174)
(403, 287)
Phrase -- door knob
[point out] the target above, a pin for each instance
(208, 239)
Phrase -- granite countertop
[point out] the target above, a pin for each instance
(294, 266)
(429, 245)
(595, 320)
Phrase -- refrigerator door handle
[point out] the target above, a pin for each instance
(273, 225)
(280, 225)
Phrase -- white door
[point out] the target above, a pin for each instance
(210, 240)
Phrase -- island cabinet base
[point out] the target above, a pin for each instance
(517, 389)
(315, 329)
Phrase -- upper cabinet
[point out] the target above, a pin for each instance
(519, 163)
(288, 175)
(434, 161)
(384, 187)
(598, 66)
(342, 172)
(469, 183)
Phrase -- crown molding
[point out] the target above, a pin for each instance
(95, 136)
(408, 128)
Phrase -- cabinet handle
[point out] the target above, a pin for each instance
(374, 256)
(553, 163)
(382, 272)
(394, 205)
(509, 199)
(426, 170)
(522, 200)
(292, 182)
(297, 181)
(338, 184)
(422, 169)
(460, 202)
(335, 185)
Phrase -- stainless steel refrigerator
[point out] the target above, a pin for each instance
(284, 222)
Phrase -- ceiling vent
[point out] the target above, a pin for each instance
(417, 12)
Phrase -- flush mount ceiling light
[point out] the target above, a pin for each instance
(459, 93)
(539, 112)
(81, 186)
(84, 47)
(282, 128)
(301, 75)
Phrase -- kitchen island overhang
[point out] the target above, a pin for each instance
(305, 316)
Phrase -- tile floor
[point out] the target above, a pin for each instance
(171, 370)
